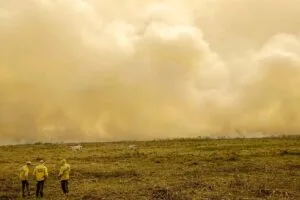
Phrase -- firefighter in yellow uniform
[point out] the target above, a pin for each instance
(64, 176)
(41, 174)
(24, 178)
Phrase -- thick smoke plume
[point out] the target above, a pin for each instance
(142, 69)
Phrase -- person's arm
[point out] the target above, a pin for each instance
(20, 172)
(34, 172)
(61, 170)
(26, 171)
(46, 172)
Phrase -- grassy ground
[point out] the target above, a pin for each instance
(168, 169)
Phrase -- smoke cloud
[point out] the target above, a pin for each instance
(113, 70)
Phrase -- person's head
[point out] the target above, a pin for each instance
(63, 161)
(42, 162)
(28, 163)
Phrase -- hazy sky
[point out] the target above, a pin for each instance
(143, 69)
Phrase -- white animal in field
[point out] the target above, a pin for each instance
(76, 148)
(132, 147)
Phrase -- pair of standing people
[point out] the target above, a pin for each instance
(41, 174)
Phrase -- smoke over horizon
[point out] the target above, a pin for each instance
(92, 69)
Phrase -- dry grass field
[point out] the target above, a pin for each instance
(178, 169)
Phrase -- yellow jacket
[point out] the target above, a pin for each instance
(40, 172)
(24, 173)
(64, 172)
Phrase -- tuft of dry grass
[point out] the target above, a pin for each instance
(179, 169)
